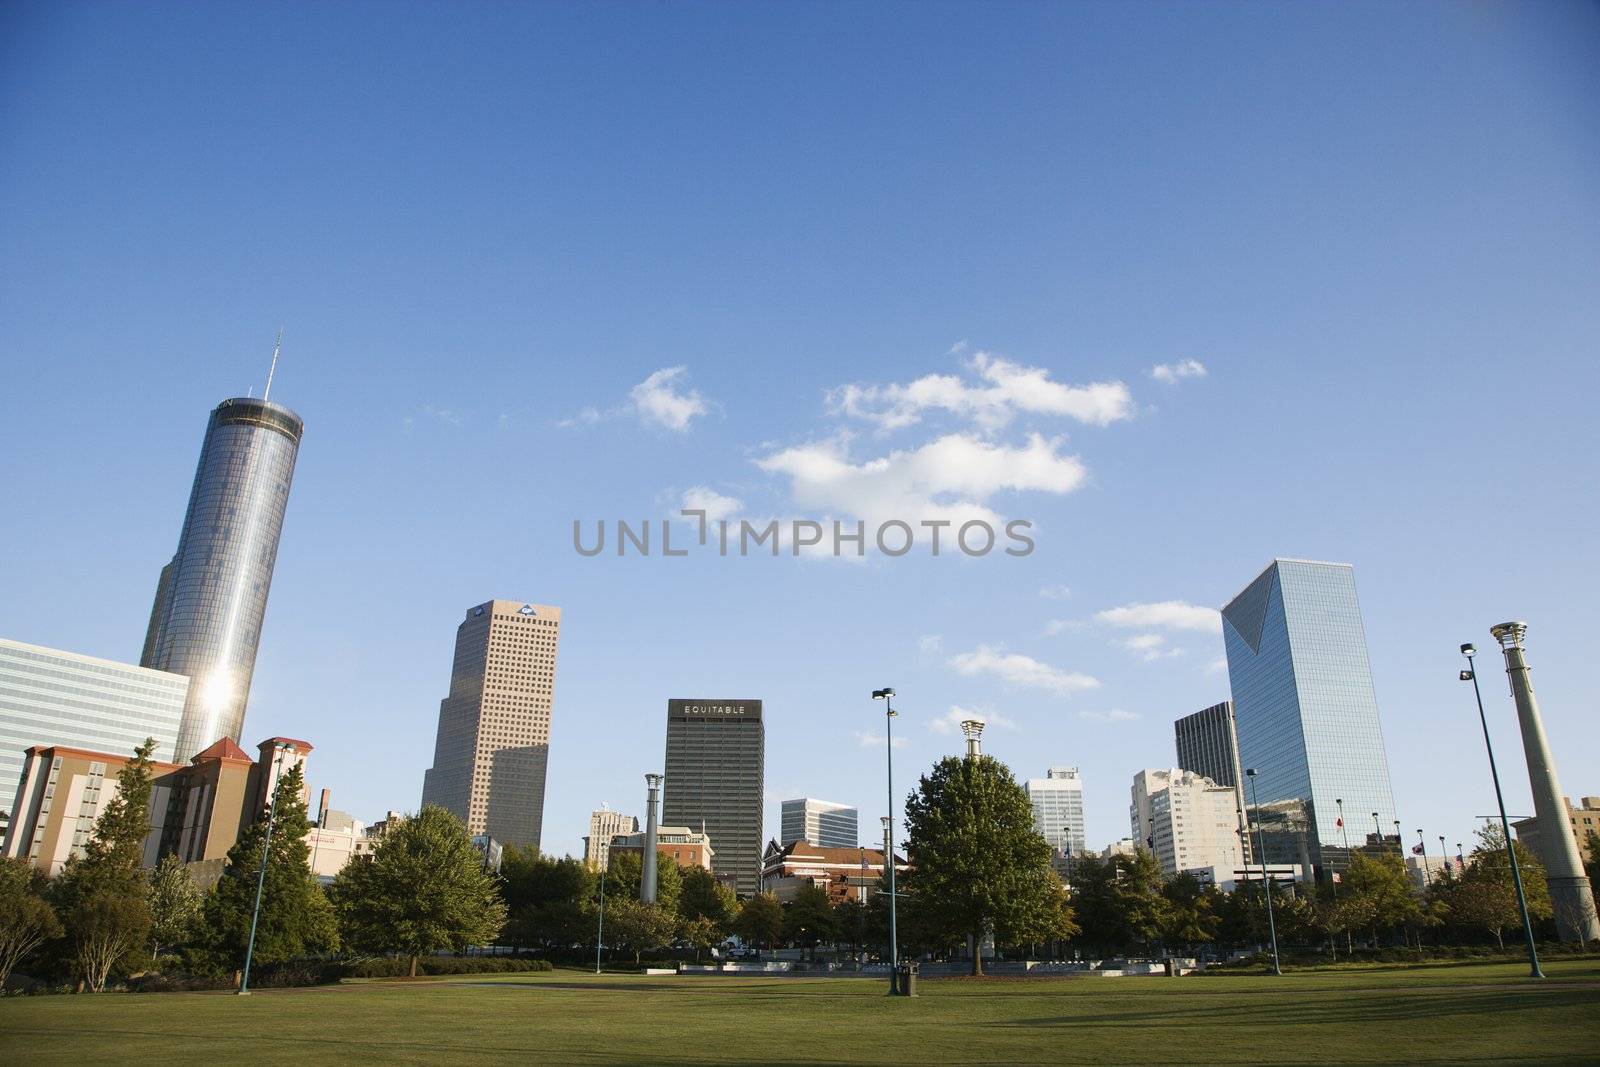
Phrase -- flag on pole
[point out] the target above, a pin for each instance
(1416, 850)
(1338, 822)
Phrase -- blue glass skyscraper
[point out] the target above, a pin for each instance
(1303, 702)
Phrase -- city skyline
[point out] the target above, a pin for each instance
(1319, 327)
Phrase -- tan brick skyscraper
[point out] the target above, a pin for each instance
(493, 745)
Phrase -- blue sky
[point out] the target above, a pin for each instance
(483, 227)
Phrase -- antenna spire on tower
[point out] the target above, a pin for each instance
(277, 346)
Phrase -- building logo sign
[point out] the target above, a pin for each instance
(526, 609)
(714, 709)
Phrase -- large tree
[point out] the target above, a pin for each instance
(424, 889)
(703, 897)
(550, 901)
(625, 873)
(1486, 897)
(1191, 910)
(100, 894)
(296, 919)
(978, 864)
(1118, 900)
(639, 927)
(759, 923)
(27, 920)
(174, 902)
(1381, 892)
(808, 918)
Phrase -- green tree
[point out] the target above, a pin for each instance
(850, 924)
(637, 926)
(296, 918)
(174, 902)
(27, 920)
(423, 890)
(703, 897)
(808, 918)
(1591, 848)
(1486, 897)
(760, 921)
(625, 873)
(550, 901)
(100, 894)
(701, 933)
(978, 864)
(1191, 910)
(1118, 900)
(1381, 891)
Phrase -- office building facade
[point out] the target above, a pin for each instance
(211, 599)
(716, 751)
(1303, 701)
(51, 697)
(1057, 801)
(1187, 821)
(819, 822)
(603, 826)
(492, 748)
(1208, 745)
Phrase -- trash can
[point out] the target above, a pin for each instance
(908, 979)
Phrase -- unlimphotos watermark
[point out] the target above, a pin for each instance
(741, 537)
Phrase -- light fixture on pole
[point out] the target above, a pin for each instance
(1266, 880)
(887, 696)
(1471, 675)
(261, 878)
(973, 730)
(600, 923)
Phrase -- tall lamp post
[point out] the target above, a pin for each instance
(261, 878)
(1266, 880)
(1422, 843)
(887, 696)
(600, 925)
(1471, 675)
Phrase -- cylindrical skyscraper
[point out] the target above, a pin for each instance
(212, 597)
(1570, 895)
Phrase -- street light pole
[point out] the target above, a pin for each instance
(600, 926)
(261, 877)
(887, 696)
(1422, 842)
(1471, 674)
(1266, 880)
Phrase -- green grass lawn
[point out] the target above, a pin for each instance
(1487, 1013)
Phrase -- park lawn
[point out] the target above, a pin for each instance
(1474, 1013)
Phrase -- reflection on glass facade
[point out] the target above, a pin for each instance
(1303, 703)
(49, 697)
(212, 597)
(818, 822)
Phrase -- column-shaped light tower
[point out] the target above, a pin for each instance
(647, 882)
(1471, 675)
(1570, 895)
(887, 696)
(973, 729)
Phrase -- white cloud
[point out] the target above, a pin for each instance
(1055, 592)
(1150, 647)
(448, 416)
(716, 506)
(1170, 373)
(871, 740)
(1057, 627)
(1003, 390)
(1022, 671)
(658, 399)
(950, 722)
(930, 644)
(1218, 666)
(1165, 615)
(1114, 715)
(948, 478)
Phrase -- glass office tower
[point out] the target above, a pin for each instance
(212, 597)
(1303, 704)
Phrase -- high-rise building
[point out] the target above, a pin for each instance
(603, 826)
(493, 744)
(1057, 800)
(716, 751)
(819, 822)
(1188, 821)
(49, 697)
(1303, 703)
(1208, 745)
(212, 597)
